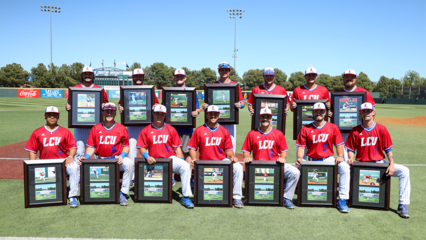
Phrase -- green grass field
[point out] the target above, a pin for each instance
(85, 119)
(210, 178)
(99, 194)
(317, 197)
(45, 196)
(368, 199)
(225, 115)
(347, 124)
(321, 180)
(264, 196)
(179, 119)
(101, 177)
(137, 117)
(153, 193)
(213, 196)
(38, 180)
(261, 179)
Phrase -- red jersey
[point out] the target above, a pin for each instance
(41, 174)
(277, 90)
(303, 93)
(159, 141)
(213, 143)
(359, 89)
(108, 142)
(239, 89)
(93, 86)
(265, 146)
(51, 144)
(369, 143)
(265, 174)
(155, 100)
(319, 141)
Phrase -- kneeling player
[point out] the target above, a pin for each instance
(269, 144)
(215, 143)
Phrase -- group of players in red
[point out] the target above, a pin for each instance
(110, 139)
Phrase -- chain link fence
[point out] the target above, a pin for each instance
(412, 92)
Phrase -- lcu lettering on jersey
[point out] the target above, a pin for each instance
(368, 141)
(53, 141)
(214, 141)
(160, 139)
(266, 144)
(108, 140)
(309, 97)
(321, 138)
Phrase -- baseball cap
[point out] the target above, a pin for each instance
(87, 69)
(268, 71)
(350, 72)
(311, 70)
(160, 108)
(51, 109)
(223, 65)
(110, 106)
(319, 106)
(265, 111)
(366, 106)
(179, 72)
(213, 108)
(138, 71)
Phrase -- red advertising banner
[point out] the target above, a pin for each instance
(66, 93)
(28, 93)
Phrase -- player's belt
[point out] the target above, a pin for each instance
(113, 157)
(317, 159)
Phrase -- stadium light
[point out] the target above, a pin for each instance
(235, 13)
(50, 9)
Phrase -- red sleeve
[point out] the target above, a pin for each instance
(193, 143)
(105, 96)
(370, 99)
(156, 99)
(327, 94)
(301, 139)
(125, 138)
(295, 95)
(351, 142)
(175, 137)
(228, 141)
(283, 144)
(32, 145)
(91, 141)
(247, 144)
(142, 139)
(285, 93)
(387, 141)
(250, 99)
(240, 94)
(338, 139)
(71, 141)
(119, 102)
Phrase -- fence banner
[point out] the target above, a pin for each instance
(114, 94)
(66, 93)
(28, 93)
(52, 93)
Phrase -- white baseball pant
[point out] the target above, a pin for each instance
(81, 135)
(133, 139)
(128, 166)
(73, 170)
(237, 179)
(291, 178)
(345, 138)
(184, 169)
(232, 128)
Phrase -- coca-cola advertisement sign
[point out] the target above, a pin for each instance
(66, 93)
(28, 93)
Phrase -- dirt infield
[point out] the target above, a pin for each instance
(407, 121)
(211, 181)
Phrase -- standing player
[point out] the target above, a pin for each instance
(265, 176)
(365, 179)
(95, 173)
(269, 87)
(346, 106)
(214, 143)
(162, 141)
(269, 144)
(110, 140)
(215, 176)
(88, 100)
(133, 99)
(369, 140)
(53, 142)
(319, 138)
(176, 101)
(223, 97)
(42, 176)
(315, 176)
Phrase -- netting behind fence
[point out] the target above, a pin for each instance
(407, 92)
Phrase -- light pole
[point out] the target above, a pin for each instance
(235, 13)
(51, 9)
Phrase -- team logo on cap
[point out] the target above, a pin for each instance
(161, 107)
(311, 69)
(349, 71)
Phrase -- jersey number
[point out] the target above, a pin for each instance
(113, 149)
(324, 147)
(167, 149)
(375, 150)
(219, 150)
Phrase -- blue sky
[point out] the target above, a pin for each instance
(376, 37)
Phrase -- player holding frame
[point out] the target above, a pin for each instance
(110, 140)
(53, 142)
(319, 137)
(269, 144)
(369, 140)
(214, 143)
(162, 141)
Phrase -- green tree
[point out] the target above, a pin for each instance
(386, 87)
(160, 75)
(252, 78)
(332, 83)
(412, 78)
(281, 79)
(362, 80)
(134, 66)
(234, 76)
(14, 75)
(196, 78)
(296, 79)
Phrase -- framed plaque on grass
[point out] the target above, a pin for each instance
(277, 104)
(180, 102)
(224, 96)
(137, 102)
(86, 107)
(345, 107)
(303, 114)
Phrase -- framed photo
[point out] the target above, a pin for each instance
(45, 183)
(224, 96)
(213, 183)
(303, 114)
(180, 102)
(317, 184)
(137, 102)
(345, 107)
(264, 183)
(99, 181)
(153, 182)
(86, 107)
(370, 187)
(277, 104)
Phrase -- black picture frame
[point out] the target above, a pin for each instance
(86, 182)
(163, 166)
(92, 111)
(200, 184)
(190, 93)
(351, 113)
(209, 92)
(141, 104)
(274, 187)
(281, 101)
(311, 194)
(41, 193)
(298, 120)
(382, 185)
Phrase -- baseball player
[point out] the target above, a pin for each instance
(265, 176)
(133, 98)
(53, 142)
(269, 87)
(225, 71)
(315, 177)
(95, 173)
(346, 106)
(162, 141)
(369, 140)
(110, 140)
(214, 143)
(88, 100)
(42, 176)
(223, 97)
(269, 144)
(176, 101)
(81, 134)
(319, 137)
(215, 176)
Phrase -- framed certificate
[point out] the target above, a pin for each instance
(345, 107)
(317, 184)
(370, 187)
(45, 183)
(86, 107)
(137, 102)
(264, 183)
(277, 104)
(99, 181)
(180, 102)
(303, 114)
(213, 183)
(224, 96)
(153, 182)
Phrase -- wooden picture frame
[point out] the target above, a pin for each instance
(86, 107)
(137, 102)
(183, 95)
(278, 111)
(273, 186)
(52, 191)
(345, 107)
(213, 96)
(299, 120)
(205, 190)
(164, 166)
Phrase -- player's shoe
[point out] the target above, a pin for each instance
(238, 203)
(173, 182)
(341, 205)
(403, 211)
(73, 202)
(288, 203)
(123, 200)
(186, 202)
